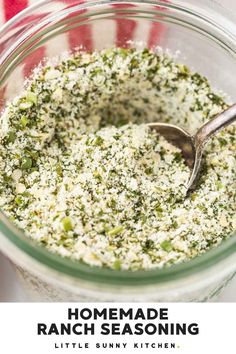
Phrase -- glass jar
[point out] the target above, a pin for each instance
(204, 33)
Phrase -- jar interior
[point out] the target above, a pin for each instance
(193, 41)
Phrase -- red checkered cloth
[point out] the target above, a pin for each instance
(10, 8)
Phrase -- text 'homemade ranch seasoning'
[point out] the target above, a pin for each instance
(84, 176)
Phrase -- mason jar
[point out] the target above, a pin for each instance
(203, 34)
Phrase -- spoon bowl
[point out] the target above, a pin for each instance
(192, 146)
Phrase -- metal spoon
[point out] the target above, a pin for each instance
(192, 146)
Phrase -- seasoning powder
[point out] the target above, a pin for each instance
(83, 175)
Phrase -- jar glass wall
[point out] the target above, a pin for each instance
(203, 35)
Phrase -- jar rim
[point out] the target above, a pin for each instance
(80, 270)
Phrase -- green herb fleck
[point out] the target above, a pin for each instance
(67, 224)
(98, 141)
(115, 231)
(178, 157)
(117, 264)
(31, 98)
(24, 121)
(166, 246)
(11, 137)
(26, 163)
(18, 200)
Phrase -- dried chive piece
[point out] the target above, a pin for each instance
(219, 185)
(149, 170)
(28, 101)
(59, 170)
(18, 200)
(67, 224)
(178, 157)
(117, 264)
(97, 175)
(11, 137)
(24, 121)
(115, 231)
(159, 209)
(98, 141)
(26, 163)
(31, 97)
(148, 246)
(166, 246)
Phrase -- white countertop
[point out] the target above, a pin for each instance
(12, 291)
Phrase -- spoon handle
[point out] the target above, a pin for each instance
(219, 122)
